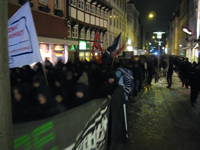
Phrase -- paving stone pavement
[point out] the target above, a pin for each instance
(163, 119)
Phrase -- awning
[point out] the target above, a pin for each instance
(57, 41)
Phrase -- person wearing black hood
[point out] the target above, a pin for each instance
(80, 95)
(46, 106)
(37, 82)
(110, 86)
(23, 109)
(137, 73)
(59, 94)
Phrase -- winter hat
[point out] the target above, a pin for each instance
(83, 79)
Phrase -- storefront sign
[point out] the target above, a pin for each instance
(59, 50)
(82, 45)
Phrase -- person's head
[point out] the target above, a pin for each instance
(59, 98)
(38, 81)
(17, 95)
(136, 65)
(80, 90)
(85, 73)
(69, 75)
(186, 59)
(42, 99)
(111, 77)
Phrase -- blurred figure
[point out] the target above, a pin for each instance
(164, 66)
(169, 74)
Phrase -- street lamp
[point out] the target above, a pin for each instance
(151, 15)
(153, 37)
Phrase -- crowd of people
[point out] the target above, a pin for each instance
(189, 75)
(45, 90)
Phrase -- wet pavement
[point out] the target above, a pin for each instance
(163, 119)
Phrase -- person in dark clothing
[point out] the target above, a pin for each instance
(186, 66)
(110, 86)
(194, 81)
(37, 82)
(81, 95)
(46, 106)
(23, 109)
(150, 71)
(137, 73)
(58, 91)
(169, 74)
(164, 66)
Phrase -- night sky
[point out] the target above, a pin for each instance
(163, 12)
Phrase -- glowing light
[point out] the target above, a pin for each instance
(153, 37)
(151, 15)
(187, 31)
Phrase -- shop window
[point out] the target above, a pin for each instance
(81, 55)
(82, 36)
(88, 34)
(69, 31)
(102, 13)
(75, 32)
(81, 4)
(58, 4)
(98, 11)
(93, 35)
(87, 7)
(88, 45)
(73, 2)
(93, 9)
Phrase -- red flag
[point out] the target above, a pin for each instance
(97, 48)
(117, 51)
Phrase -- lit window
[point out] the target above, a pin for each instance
(88, 34)
(88, 7)
(75, 32)
(81, 4)
(82, 33)
(97, 11)
(73, 2)
(93, 9)
(58, 4)
(114, 20)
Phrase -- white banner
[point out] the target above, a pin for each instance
(22, 38)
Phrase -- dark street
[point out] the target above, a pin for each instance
(163, 119)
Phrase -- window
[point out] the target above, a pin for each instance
(106, 41)
(110, 38)
(88, 7)
(75, 32)
(88, 45)
(73, 2)
(44, 2)
(81, 4)
(114, 20)
(110, 19)
(69, 31)
(82, 36)
(93, 35)
(102, 13)
(98, 11)
(120, 23)
(88, 34)
(101, 37)
(106, 14)
(58, 4)
(117, 21)
(93, 9)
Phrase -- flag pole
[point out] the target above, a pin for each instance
(6, 126)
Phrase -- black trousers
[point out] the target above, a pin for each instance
(150, 75)
(169, 79)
